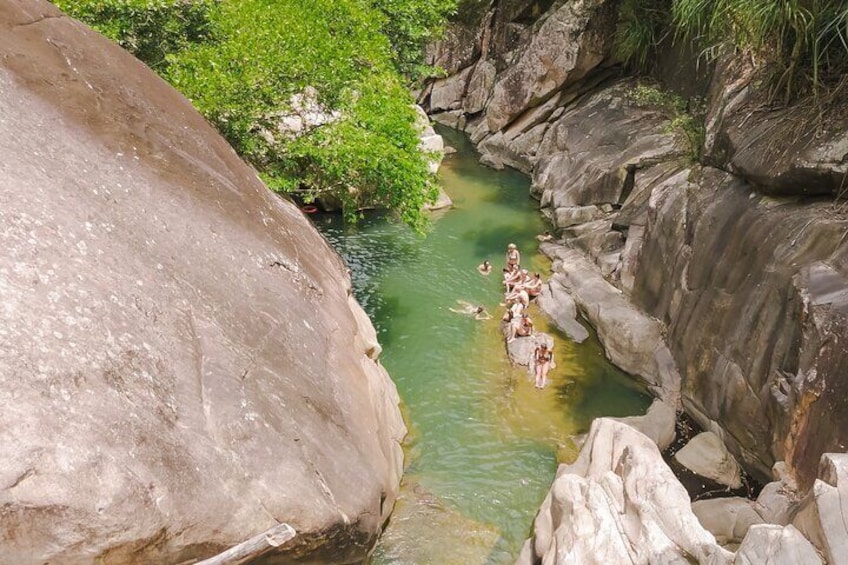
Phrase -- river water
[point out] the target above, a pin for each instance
(483, 443)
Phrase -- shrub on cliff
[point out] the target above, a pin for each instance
(804, 43)
(250, 71)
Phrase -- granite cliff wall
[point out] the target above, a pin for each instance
(182, 365)
(738, 259)
(745, 271)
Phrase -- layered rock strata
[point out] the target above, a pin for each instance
(182, 365)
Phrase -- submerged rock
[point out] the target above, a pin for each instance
(181, 367)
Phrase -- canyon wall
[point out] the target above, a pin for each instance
(709, 252)
(740, 256)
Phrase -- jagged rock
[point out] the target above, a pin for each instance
(447, 93)
(728, 519)
(658, 424)
(567, 216)
(558, 305)
(498, 150)
(564, 47)
(479, 87)
(822, 514)
(776, 503)
(458, 48)
(632, 340)
(706, 455)
(767, 544)
(451, 119)
(589, 152)
(181, 365)
(620, 503)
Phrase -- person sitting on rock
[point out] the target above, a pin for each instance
(545, 236)
(484, 268)
(533, 286)
(518, 297)
(513, 278)
(513, 257)
(543, 358)
(522, 326)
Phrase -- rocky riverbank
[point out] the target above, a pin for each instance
(721, 283)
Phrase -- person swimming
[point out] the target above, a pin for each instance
(484, 268)
(479, 312)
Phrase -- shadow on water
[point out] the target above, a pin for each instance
(484, 443)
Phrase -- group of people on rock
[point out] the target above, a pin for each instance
(520, 288)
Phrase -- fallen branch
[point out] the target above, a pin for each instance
(256, 546)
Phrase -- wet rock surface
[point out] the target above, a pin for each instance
(181, 367)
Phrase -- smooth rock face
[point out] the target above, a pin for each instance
(559, 306)
(658, 423)
(823, 515)
(728, 519)
(180, 365)
(767, 544)
(620, 503)
(632, 340)
(706, 455)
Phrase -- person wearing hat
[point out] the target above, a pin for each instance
(543, 357)
(513, 257)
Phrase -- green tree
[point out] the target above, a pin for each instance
(257, 59)
(149, 29)
(410, 25)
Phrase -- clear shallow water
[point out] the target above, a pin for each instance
(483, 443)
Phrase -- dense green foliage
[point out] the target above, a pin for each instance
(247, 74)
(804, 42)
(149, 29)
(410, 26)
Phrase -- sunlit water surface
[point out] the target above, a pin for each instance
(483, 443)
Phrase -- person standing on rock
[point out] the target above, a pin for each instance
(513, 257)
(543, 357)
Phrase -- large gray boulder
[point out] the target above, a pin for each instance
(728, 519)
(181, 364)
(768, 544)
(659, 423)
(706, 455)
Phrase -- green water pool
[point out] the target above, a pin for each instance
(483, 443)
